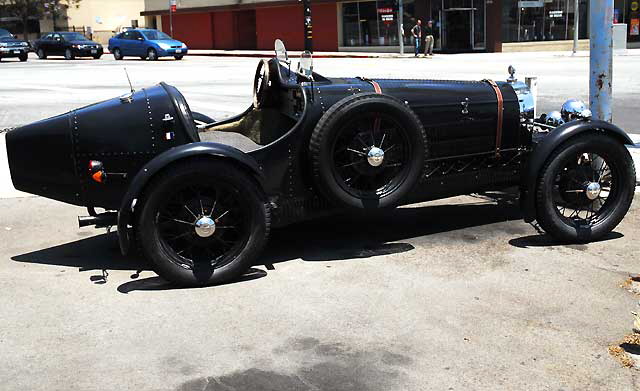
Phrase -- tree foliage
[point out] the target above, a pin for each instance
(26, 9)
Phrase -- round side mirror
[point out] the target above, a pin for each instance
(281, 51)
(305, 66)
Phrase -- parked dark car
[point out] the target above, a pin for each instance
(147, 44)
(67, 44)
(12, 47)
(311, 146)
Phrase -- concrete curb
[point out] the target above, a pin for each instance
(250, 54)
(296, 54)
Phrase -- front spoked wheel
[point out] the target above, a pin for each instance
(585, 189)
(203, 223)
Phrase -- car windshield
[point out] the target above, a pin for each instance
(74, 37)
(4, 33)
(155, 35)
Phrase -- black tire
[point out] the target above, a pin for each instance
(97, 57)
(201, 119)
(209, 187)
(372, 186)
(152, 55)
(41, 54)
(567, 208)
(143, 57)
(178, 57)
(68, 54)
(23, 57)
(117, 54)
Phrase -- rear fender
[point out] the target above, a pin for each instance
(161, 162)
(546, 147)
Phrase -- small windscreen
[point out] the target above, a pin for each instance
(4, 33)
(154, 35)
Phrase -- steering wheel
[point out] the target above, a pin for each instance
(261, 84)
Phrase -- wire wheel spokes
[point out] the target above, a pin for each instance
(583, 188)
(371, 155)
(203, 224)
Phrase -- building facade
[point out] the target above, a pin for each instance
(99, 19)
(372, 25)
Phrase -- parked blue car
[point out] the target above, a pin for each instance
(146, 44)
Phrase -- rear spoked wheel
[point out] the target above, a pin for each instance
(585, 189)
(202, 223)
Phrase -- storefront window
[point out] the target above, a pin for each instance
(628, 11)
(372, 23)
(478, 24)
(463, 25)
(542, 20)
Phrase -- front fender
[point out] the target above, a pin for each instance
(160, 162)
(546, 147)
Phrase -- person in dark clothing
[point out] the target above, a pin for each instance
(416, 31)
(430, 35)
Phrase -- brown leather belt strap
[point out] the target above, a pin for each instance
(376, 86)
(496, 89)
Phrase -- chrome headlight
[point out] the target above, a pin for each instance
(574, 109)
(3, 44)
(164, 45)
(24, 44)
(554, 118)
(184, 46)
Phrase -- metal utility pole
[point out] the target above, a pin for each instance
(172, 9)
(400, 29)
(601, 58)
(308, 26)
(576, 25)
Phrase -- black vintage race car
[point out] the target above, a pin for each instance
(200, 209)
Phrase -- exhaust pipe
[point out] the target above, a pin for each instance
(100, 220)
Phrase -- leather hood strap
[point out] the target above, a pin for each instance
(500, 99)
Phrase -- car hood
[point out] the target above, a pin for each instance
(7, 39)
(171, 42)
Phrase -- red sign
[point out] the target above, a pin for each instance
(388, 10)
(173, 8)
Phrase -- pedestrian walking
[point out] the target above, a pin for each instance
(416, 31)
(430, 33)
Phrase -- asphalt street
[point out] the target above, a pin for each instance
(457, 294)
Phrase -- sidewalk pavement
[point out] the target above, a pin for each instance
(408, 54)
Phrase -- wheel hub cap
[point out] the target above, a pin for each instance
(205, 227)
(375, 156)
(593, 190)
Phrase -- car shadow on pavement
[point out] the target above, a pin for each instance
(336, 238)
(545, 240)
(100, 252)
(381, 232)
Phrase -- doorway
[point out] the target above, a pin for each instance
(458, 25)
(245, 29)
